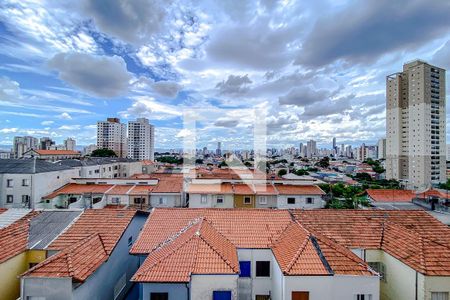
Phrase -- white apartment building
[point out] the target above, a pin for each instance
(24, 143)
(70, 144)
(415, 125)
(381, 149)
(111, 134)
(141, 139)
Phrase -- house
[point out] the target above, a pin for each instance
(244, 254)
(52, 155)
(23, 238)
(299, 196)
(89, 260)
(410, 249)
(23, 182)
(168, 192)
(104, 167)
(266, 195)
(211, 195)
(390, 196)
(244, 196)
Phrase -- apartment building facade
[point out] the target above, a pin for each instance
(141, 139)
(111, 134)
(415, 125)
(24, 143)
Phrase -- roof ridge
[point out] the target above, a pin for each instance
(322, 257)
(298, 253)
(174, 236)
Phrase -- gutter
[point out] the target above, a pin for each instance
(188, 291)
(417, 275)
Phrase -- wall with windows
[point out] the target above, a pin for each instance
(260, 285)
(203, 286)
(173, 290)
(165, 200)
(244, 201)
(266, 201)
(211, 200)
(118, 199)
(300, 201)
(435, 287)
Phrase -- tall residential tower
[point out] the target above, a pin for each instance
(141, 139)
(415, 125)
(111, 134)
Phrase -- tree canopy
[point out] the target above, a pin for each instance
(104, 152)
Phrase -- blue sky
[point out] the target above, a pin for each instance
(317, 68)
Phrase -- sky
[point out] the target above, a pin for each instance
(316, 69)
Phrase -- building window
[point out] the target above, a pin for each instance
(439, 295)
(115, 200)
(9, 198)
(263, 269)
(139, 200)
(290, 200)
(162, 201)
(221, 295)
(363, 297)
(9, 183)
(130, 241)
(25, 182)
(25, 198)
(309, 200)
(247, 200)
(204, 198)
(245, 267)
(380, 268)
(262, 200)
(219, 199)
(159, 296)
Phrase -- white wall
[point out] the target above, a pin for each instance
(300, 201)
(202, 286)
(171, 200)
(211, 201)
(260, 285)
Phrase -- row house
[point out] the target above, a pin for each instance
(255, 195)
(233, 254)
(52, 155)
(89, 260)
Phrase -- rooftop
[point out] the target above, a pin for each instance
(57, 152)
(29, 166)
(391, 195)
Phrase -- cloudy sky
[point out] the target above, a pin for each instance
(316, 68)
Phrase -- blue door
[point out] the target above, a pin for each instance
(222, 295)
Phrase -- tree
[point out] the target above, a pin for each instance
(282, 172)
(324, 162)
(301, 172)
(199, 161)
(363, 177)
(104, 152)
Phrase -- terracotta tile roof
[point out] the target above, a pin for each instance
(414, 237)
(119, 189)
(2, 210)
(265, 189)
(57, 152)
(14, 238)
(78, 189)
(216, 188)
(141, 190)
(243, 189)
(433, 193)
(198, 249)
(78, 261)
(387, 195)
(299, 189)
(169, 185)
(108, 223)
(256, 228)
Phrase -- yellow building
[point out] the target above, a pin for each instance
(244, 196)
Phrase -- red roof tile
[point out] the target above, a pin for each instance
(141, 190)
(265, 189)
(217, 188)
(57, 152)
(198, 249)
(386, 195)
(243, 189)
(79, 189)
(119, 190)
(169, 185)
(299, 189)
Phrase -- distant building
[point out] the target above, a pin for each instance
(382, 149)
(22, 144)
(111, 134)
(415, 125)
(311, 148)
(46, 143)
(5, 154)
(52, 155)
(89, 149)
(141, 139)
(219, 149)
(70, 144)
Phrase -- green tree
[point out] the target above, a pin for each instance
(282, 172)
(199, 161)
(324, 162)
(301, 172)
(104, 152)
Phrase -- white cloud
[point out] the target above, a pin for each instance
(47, 123)
(65, 116)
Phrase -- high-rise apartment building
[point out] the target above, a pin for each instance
(70, 144)
(311, 148)
(381, 149)
(415, 125)
(219, 149)
(111, 134)
(141, 139)
(24, 143)
(46, 143)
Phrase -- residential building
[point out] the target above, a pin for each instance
(23, 182)
(219, 149)
(381, 149)
(141, 139)
(299, 196)
(211, 195)
(5, 154)
(244, 254)
(311, 148)
(111, 134)
(70, 144)
(22, 144)
(415, 125)
(89, 260)
(46, 143)
(52, 155)
(89, 149)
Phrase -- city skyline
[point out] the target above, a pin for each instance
(309, 88)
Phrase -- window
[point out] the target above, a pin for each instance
(9, 183)
(247, 200)
(262, 297)
(25, 182)
(439, 295)
(363, 297)
(300, 295)
(25, 198)
(245, 267)
(309, 200)
(139, 200)
(263, 269)
(221, 295)
(291, 200)
(115, 200)
(380, 268)
(162, 201)
(30, 265)
(130, 241)
(262, 200)
(159, 296)
(219, 199)
(9, 198)
(204, 198)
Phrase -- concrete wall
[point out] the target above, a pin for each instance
(433, 284)
(300, 201)
(211, 201)
(271, 201)
(202, 286)
(176, 291)
(259, 285)
(9, 270)
(123, 199)
(171, 200)
(49, 288)
(239, 201)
